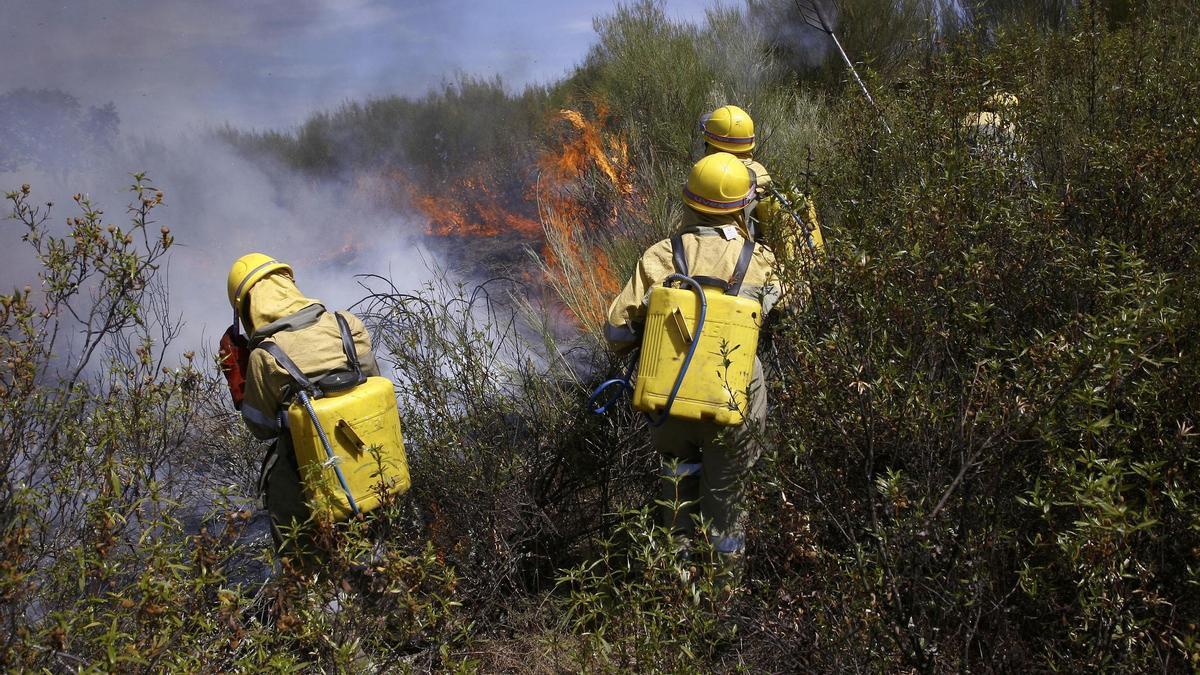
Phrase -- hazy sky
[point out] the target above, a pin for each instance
(172, 65)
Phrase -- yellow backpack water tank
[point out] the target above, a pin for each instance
(363, 428)
(716, 386)
(788, 221)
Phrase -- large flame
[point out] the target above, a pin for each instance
(585, 184)
(590, 147)
(582, 185)
(470, 207)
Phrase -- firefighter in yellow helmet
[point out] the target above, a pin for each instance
(992, 131)
(993, 136)
(771, 217)
(704, 463)
(267, 302)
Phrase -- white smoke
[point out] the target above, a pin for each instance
(220, 205)
(789, 26)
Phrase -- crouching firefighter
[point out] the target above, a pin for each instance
(695, 304)
(782, 217)
(307, 378)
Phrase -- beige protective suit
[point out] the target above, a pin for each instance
(310, 336)
(703, 462)
(990, 133)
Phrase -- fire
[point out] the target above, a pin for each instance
(586, 185)
(470, 207)
(582, 186)
(589, 148)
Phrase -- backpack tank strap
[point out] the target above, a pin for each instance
(743, 266)
(348, 347)
(290, 366)
(678, 254)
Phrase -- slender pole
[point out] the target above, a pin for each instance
(849, 64)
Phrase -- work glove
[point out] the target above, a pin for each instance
(234, 357)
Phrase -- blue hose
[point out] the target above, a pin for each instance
(687, 361)
(328, 450)
(613, 397)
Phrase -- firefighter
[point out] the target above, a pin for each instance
(992, 131)
(267, 302)
(992, 137)
(704, 464)
(730, 129)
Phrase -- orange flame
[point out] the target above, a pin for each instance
(468, 208)
(578, 206)
(583, 185)
(589, 148)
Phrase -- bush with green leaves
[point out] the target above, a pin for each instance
(985, 420)
(645, 602)
(511, 475)
(981, 454)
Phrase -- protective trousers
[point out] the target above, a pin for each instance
(707, 464)
(283, 495)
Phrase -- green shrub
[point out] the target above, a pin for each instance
(644, 603)
(985, 417)
(511, 474)
(982, 448)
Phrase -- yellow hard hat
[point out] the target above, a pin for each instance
(730, 129)
(718, 183)
(1001, 101)
(247, 271)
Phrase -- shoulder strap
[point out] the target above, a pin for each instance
(751, 220)
(298, 375)
(348, 347)
(288, 365)
(743, 266)
(732, 286)
(677, 253)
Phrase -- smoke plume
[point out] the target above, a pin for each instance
(219, 205)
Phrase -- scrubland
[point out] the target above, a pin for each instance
(981, 454)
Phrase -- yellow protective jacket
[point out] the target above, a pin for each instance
(307, 333)
(711, 244)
